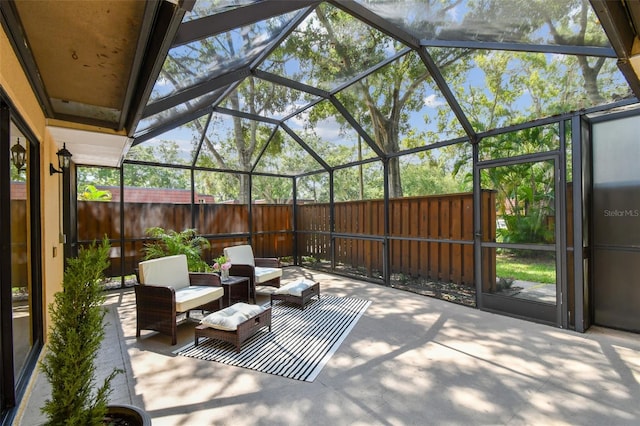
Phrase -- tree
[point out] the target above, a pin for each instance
(91, 193)
(272, 190)
(336, 47)
(525, 199)
(431, 173)
(332, 47)
(164, 152)
(244, 138)
(97, 176)
(522, 86)
(314, 187)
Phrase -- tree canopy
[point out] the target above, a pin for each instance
(334, 92)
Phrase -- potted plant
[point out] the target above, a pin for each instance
(169, 243)
(75, 337)
(221, 266)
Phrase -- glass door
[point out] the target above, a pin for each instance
(20, 271)
(520, 238)
(20, 281)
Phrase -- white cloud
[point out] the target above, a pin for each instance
(432, 101)
(454, 13)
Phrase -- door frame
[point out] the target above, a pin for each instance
(13, 386)
(529, 310)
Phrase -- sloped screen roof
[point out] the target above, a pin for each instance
(326, 84)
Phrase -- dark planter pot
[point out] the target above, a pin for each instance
(127, 415)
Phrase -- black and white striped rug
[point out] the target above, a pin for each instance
(299, 344)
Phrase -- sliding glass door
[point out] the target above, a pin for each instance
(20, 284)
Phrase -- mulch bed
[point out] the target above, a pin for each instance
(451, 292)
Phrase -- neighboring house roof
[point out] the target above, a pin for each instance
(156, 195)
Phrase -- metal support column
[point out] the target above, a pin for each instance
(579, 135)
(477, 226)
(294, 220)
(386, 258)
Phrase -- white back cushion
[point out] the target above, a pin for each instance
(169, 271)
(240, 255)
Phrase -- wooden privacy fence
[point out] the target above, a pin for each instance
(444, 221)
(272, 225)
(428, 236)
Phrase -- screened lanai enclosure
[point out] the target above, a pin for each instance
(436, 146)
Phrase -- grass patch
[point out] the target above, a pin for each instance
(536, 269)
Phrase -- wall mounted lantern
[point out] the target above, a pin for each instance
(64, 159)
(18, 155)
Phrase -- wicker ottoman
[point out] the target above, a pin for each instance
(234, 324)
(298, 292)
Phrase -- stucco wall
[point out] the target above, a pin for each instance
(14, 82)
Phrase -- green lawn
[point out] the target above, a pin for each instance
(535, 269)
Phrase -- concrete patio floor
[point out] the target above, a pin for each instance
(410, 360)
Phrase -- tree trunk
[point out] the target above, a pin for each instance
(388, 140)
(395, 185)
(243, 196)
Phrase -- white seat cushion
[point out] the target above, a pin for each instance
(168, 271)
(264, 274)
(266, 290)
(191, 297)
(229, 318)
(295, 288)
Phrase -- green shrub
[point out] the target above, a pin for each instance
(75, 337)
(171, 242)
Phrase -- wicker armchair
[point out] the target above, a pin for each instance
(261, 271)
(166, 289)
